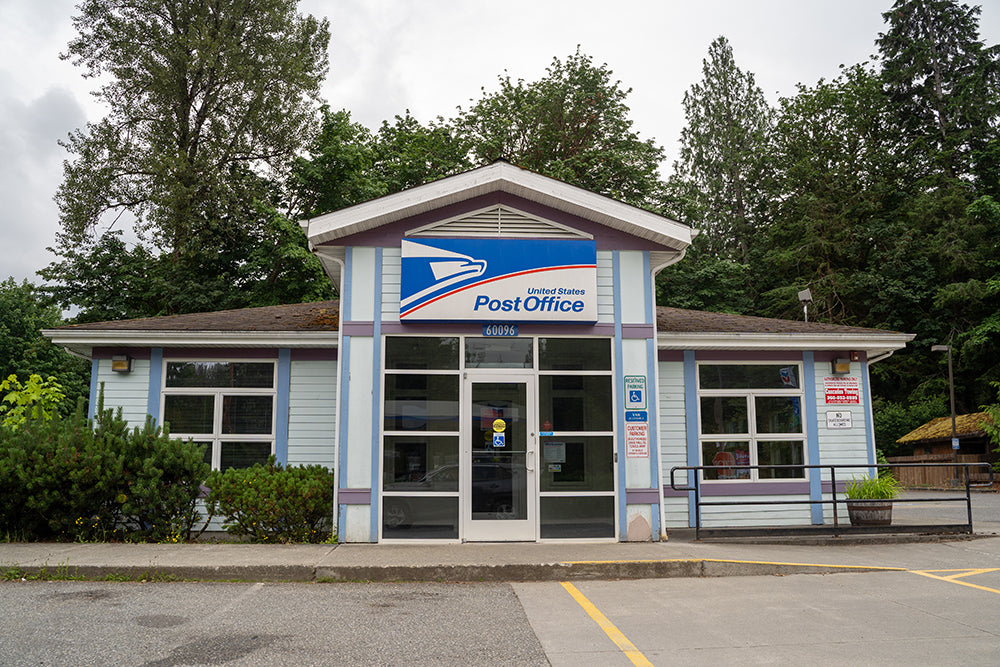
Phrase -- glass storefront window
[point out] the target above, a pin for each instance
(780, 452)
(247, 414)
(574, 354)
(223, 374)
(748, 376)
(243, 454)
(421, 518)
(724, 414)
(189, 414)
(575, 402)
(778, 414)
(499, 353)
(729, 454)
(577, 517)
(421, 402)
(428, 463)
(581, 463)
(418, 353)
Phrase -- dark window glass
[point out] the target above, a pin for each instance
(574, 354)
(413, 353)
(583, 463)
(244, 454)
(580, 517)
(498, 353)
(778, 414)
(421, 402)
(419, 518)
(750, 376)
(777, 452)
(726, 454)
(252, 375)
(189, 414)
(724, 414)
(422, 463)
(575, 402)
(247, 414)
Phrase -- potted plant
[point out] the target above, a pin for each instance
(869, 500)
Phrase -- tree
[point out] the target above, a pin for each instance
(723, 164)
(572, 125)
(24, 352)
(205, 98)
(942, 82)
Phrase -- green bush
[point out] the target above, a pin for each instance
(266, 503)
(76, 479)
(872, 488)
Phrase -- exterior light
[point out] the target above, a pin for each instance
(121, 363)
(806, 297)
(840, 366)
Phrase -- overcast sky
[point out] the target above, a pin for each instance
(387, 56)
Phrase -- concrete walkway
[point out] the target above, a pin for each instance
(677, 557)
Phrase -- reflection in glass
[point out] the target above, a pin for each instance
(421, 402)
(575, 402)
(420, 353)
(227, 374)
(499, 484)
(581, 516)
(749, 376)
(247, 414)
(189, 414)
(420, 463)
(727, 454)
(574, 354)
(498, 353)
(778, 414)
(581, 463)
(778, 452)
(419, 518)
(244, 454)
(724, 414)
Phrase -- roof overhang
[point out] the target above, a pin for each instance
(499, 177)
(875, 346)
(83, 342)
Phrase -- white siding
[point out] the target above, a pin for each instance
(359, 415)
(841, 446)
(633, 286)
(743, 515)
(605, 288)
(312, 413)
(362, 285)
(391, 281)
(128, 391)
(673, 439)
(637, 470)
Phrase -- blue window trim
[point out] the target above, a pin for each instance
(376, 448)
(653, 403)
(155, 383)
(870, 425)
(95, 365)
(691, 422)
(283, 391)
(619, 391)
(812, 434)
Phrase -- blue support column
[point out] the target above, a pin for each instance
(811, 420)
(281, 421)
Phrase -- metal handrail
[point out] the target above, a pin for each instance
(834, 501)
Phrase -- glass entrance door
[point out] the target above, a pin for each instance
(499, 479)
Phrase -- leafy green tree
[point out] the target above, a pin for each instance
(723, 165)
(205, 100)
(572, 125)
(24, 312)
(408, 154)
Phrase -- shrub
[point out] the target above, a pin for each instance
(36, 398)
(73, 478)
(872, 488)
(267, 503)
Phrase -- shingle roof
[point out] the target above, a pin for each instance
(316, 316)
(678, 320)
(967, 426)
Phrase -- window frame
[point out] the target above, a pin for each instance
(216, 438)
(753, 437)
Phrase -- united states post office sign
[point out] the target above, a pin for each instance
(508, 280)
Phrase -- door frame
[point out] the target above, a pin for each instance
(500, 530)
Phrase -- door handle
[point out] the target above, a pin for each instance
(530, 463)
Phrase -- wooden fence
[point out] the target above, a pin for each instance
(935, 476)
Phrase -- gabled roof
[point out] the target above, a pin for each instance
(317, 324)
(966, 426)
(499, 177)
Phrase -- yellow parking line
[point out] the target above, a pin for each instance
(743, 562)
(620, 640)
(964, 572)
(953, 579)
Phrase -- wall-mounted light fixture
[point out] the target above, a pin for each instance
(121, 363)
(840, 366)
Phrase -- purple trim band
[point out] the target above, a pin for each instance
(220, 352)
(108, 352)
(476, 329)
(749, 355)
(754, 489)
(358, 328)
(355, 497)
(670, 355)
(637, 331)
(826, 356)
(641, 497)
(320, 354)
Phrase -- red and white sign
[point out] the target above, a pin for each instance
(842, 390)
(637, 440)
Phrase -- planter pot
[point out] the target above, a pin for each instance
(869, 512)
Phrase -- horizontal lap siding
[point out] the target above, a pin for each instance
(128, 391)
(605, 288)
(391, 281)
(672, 434)
(740, 515)
(841, 446)
(312, 413)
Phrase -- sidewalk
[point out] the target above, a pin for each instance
(678, 557)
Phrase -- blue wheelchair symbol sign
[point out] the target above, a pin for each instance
(635, 396)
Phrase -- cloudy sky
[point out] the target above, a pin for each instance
(387, 56)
